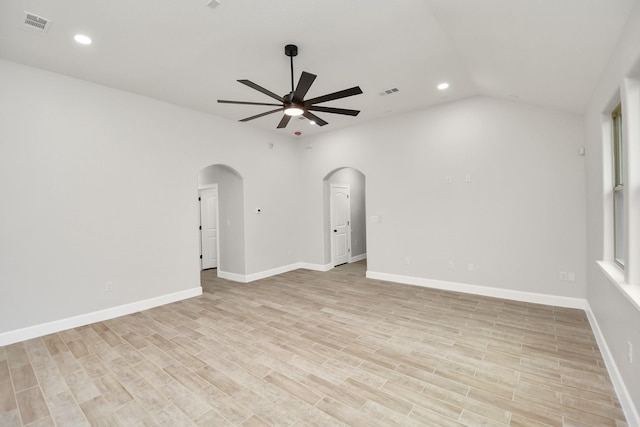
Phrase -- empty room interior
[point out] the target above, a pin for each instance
(304, 213)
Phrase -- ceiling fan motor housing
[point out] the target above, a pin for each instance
(291, 50)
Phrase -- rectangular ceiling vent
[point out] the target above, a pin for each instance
(36, 23)
(388, 91)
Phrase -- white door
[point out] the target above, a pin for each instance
(209, 227)
(340, 206)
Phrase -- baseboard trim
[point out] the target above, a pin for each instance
(234, 277)
(35, 331)
(358, 258)
(487, 291)
(273, 272)
(628, 407)
(246, 278)
(315, 267)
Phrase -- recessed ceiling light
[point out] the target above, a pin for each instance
(311, 122)
(82, 39)
(443, 86)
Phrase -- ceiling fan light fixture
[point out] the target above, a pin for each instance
(293, 111)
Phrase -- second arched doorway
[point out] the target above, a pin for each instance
(344, 216)
(226, 217)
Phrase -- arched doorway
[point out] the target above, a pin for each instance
(227, 186)
(345, 219)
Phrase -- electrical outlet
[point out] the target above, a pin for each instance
(563, 276)
(109, 286)
(571, 276)
(450, 265)
(407, 260)
(467, 178)
(470, 267)
(630, 351)
(448, 180)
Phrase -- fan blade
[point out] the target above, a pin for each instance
(314, 118)
(260, 115)
(252, 85)
(333, 110)
(305, 82)
(222, 101)
(336, 95)
(284, 122)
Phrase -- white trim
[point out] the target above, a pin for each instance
(616, 277)
(315, 267)
(232, 276)
(628, 407)
(273, 272)
(531, 297)
(346, 187)
(207, 187)
(200, 190)
(357, 258)
(246, 278)
(35, 331)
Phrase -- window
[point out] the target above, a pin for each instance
(618, 187)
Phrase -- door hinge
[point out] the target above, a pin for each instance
(199, 199)
(200, 228)
(200, 256)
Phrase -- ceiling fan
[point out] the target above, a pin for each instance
(293, 104)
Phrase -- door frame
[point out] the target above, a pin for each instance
(331, 222)
(200, 190)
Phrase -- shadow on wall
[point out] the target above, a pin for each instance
(355, 181)
(231, 256)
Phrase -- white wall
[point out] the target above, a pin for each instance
(520, 221)
(100, 185)
(230, 216)
(618, 318)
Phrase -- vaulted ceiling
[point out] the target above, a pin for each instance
(544, 52)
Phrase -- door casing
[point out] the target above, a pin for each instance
(340, 198)
(205, 193)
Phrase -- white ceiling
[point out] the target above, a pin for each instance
(544, 52)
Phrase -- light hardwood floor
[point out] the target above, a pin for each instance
(316, 349)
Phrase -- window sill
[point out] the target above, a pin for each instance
(616, 276)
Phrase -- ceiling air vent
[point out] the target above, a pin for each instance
(36, 23)
(388, 91)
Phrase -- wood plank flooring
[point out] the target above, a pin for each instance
(315, 349)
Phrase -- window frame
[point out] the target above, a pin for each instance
(618, 187)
